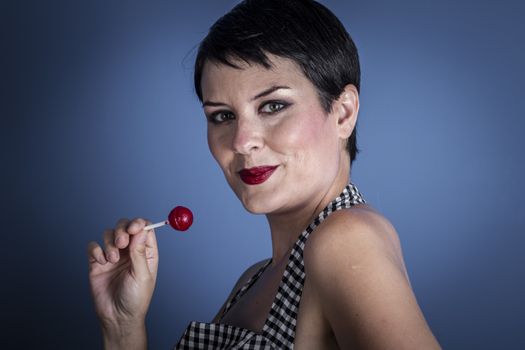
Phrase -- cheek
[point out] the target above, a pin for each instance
(216, 146)
(299, 136)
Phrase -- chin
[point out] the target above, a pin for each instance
(257, 202)
(258, 209)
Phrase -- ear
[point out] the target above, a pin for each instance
(346, 108)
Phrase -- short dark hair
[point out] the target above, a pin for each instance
(301, 30)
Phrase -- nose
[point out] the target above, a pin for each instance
(247, 137)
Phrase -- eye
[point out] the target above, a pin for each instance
(221, 117)
(273, 107)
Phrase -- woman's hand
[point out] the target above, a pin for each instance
(122, 279)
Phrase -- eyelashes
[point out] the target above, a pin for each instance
(273, 107)
(219, 117)
(266, 108)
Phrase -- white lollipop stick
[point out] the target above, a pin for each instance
(158, 224)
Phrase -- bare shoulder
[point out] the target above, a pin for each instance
(358, 233)
(355, 267)
(245, 276)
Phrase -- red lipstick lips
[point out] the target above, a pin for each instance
(257, 175)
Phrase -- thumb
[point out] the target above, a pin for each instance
(137, 254)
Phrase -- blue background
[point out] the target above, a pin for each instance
(100, 121)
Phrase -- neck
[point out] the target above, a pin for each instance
(286, 227)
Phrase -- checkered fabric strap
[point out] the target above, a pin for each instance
(240, 292)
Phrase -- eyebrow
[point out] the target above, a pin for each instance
(259, 95)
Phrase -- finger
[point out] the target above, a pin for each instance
(152, 253)
(95, 254)
(137, 254)
(136, 226)
(112, 252)
(121, 235)
(151, 239)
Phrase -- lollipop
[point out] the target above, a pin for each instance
(180, 218)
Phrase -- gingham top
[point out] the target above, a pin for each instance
(279, 329)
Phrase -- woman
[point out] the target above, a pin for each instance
(279, 84)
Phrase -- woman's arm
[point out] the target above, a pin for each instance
(355, 265)
(129, 336)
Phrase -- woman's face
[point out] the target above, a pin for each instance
(272, 139)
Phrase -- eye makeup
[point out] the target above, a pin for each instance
(222, 116)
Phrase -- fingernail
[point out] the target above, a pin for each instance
(135, 227)
(113, 256)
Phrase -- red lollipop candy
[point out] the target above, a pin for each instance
(180, 218)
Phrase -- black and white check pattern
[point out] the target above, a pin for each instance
(279, 329)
